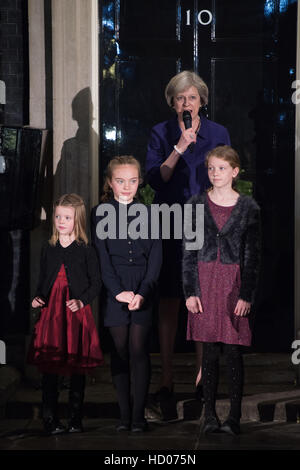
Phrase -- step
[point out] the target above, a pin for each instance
(259, 404)
(259, 368)
(10, 379)
(269, 391)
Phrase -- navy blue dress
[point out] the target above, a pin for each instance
(189, 178)
(127, 265)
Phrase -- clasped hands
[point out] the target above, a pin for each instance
(193, 304)
(73, 304)
(133, 300)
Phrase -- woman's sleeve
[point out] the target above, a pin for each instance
(93, 274)
(190, 276)
(250, 262)
(154, 159)
(226, 137)
(153, 269)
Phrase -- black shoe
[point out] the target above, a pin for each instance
(199, 392)
(211, 425)
(163, 394)
(123, 426)
(139, 427)
(75, 425)
(231, 426)
(53, 426)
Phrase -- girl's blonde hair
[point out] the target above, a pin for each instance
(227, 153)
(75, 201)
(114, 162)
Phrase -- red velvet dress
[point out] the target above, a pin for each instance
(65, 342)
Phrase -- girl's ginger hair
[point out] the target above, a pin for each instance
(227, 153)
(75, 201)
(113, 163)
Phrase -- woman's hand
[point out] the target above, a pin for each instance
(193, 304)
(242, 308)
(37, 302)
(125, 297)
(136, 303)
(74, 305)
(187, 137)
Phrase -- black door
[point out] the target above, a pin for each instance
(246, 53)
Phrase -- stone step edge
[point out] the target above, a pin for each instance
(254, 407)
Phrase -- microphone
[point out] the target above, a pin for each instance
(187, 119)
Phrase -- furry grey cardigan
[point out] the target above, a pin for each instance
(238, 241)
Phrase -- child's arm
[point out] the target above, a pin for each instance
(110, 278)
(190, 275)
(153, 269)
(136, 302)
(37, 302)
(74, 304)
(42, 276)
(126, 297)
(93, 273)
(242, 308)
(250, 262)
(193, 304)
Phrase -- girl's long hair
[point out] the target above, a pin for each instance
(75, 201)
(107, 192)
(227, 153)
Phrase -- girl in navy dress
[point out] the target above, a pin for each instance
(220, 280)
(65, 340)
(130, 269)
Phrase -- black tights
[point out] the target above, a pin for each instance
(210, 376)
(130, 354)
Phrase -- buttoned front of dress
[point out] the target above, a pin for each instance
(126, 266)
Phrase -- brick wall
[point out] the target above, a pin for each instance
(14, 61)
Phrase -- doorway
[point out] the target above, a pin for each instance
(246, 53)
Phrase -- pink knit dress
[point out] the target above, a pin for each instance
(219, 286)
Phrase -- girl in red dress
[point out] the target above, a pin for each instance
(65, 340)
(220, 281)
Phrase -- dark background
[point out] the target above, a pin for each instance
(247, 56)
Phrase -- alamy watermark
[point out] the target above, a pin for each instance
(2, 352)
(2, 92)
(160, 223)
(296, 94)
(296, 354)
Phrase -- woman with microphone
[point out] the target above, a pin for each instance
(175, 169)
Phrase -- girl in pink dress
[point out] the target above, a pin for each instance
(220, 280)
(65, 340)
